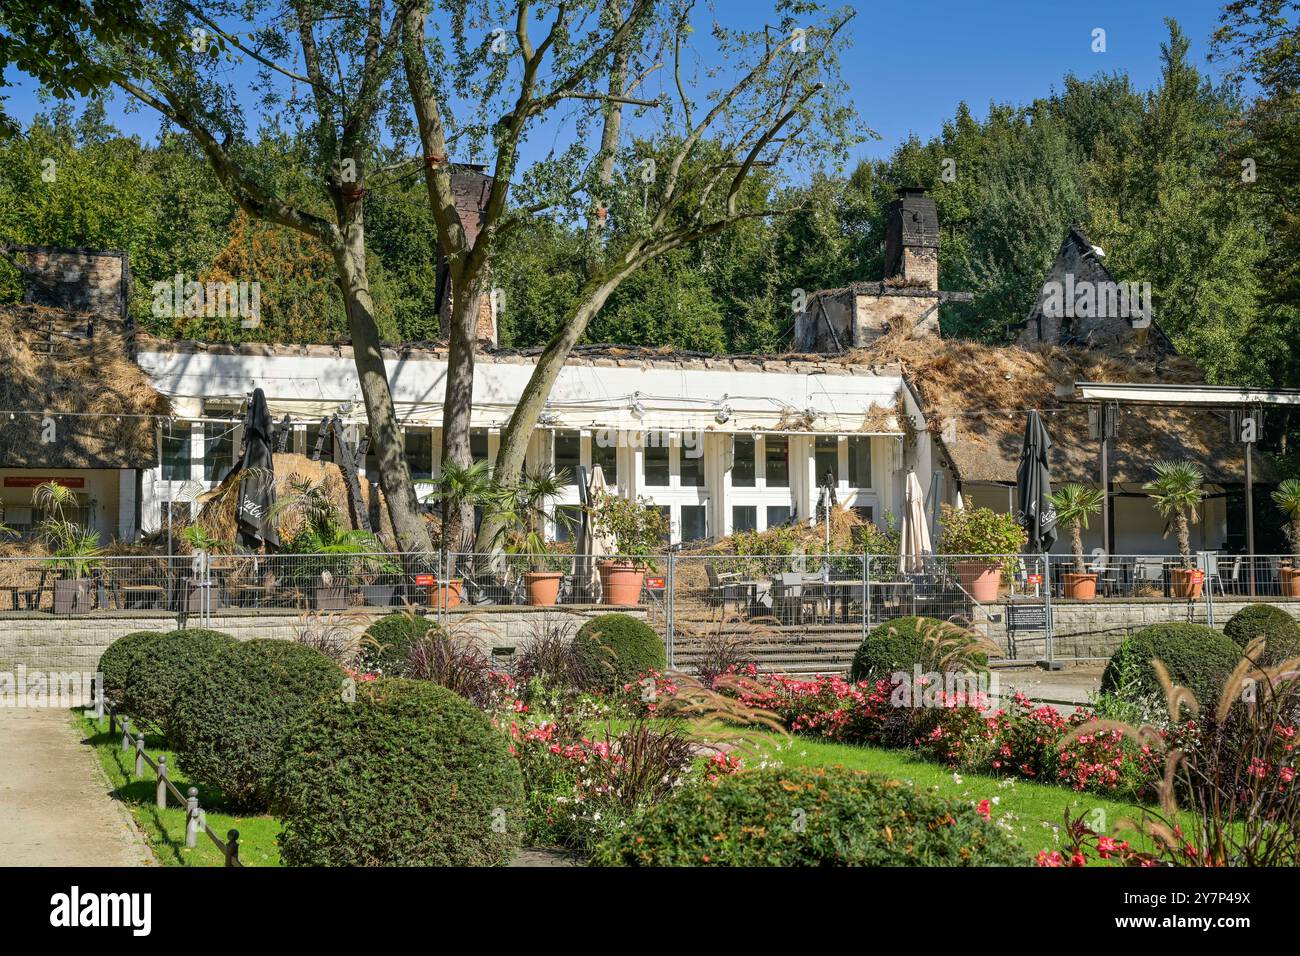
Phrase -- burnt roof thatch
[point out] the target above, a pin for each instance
(982, 392)
(75, 365)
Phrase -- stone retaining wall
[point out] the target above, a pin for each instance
(44, 643)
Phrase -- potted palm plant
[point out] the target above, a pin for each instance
(526, 508)
(638, 530)
(982, 539)
(1075, 504)
(1287, 499)
(72, 548)
(1177, 493)
(458, 488)
(324, 532)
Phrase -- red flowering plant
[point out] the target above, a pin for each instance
(825, 706)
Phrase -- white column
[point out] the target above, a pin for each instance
(126, 529)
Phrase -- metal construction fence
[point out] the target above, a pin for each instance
(801, 610)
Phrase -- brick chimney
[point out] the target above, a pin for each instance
(912, 239)
(470, 187)
(78, 280)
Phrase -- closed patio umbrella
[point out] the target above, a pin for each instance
(594, 544)
(256, 487)
(914, 534)
(1034, 485)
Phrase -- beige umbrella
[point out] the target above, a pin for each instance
(595, 544)
(914, 535)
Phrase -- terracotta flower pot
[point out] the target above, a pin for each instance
(543, 587)
(620, 583)
(1290, 582)
(1080, 587)
(980, 579)
(1186, 582)
(446, 594)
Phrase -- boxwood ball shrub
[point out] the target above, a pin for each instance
(1197, 657)
(824, 816)
(161, 668)
(409, 774)
(1278, 628)
(899, 644)
(391, 639)
(229, 722)
(616, 649)
(115, 662)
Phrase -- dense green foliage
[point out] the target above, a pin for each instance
(115, 662)
(409, 774)
(906, 641)
(229, 722)
(1196, 657)
(786, 816)
(388, 642)
(162, 668)
(1278, 628)
(617, 649)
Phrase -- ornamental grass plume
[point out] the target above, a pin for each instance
(1229, 769)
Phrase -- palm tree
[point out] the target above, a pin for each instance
(1177, 493)
(64, 537)
(1287, 499)
(1075, 504)
(463, 486)
(527, 506)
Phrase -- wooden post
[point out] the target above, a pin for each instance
(126, 733)
(191, 817)
(160, 798)
(1105, 479)
(112, 721)
(139, 757)
(232, 848)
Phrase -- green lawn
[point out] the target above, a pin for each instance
(165, 829)
(1033, 811)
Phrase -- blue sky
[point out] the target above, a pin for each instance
(911, 62)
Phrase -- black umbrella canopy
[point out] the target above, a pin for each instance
(1033, 485)
(257, 485)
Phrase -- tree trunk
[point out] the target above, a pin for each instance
(1076, 538)
(385, 435)
(514, 438)
(1184, 537)
(457, 405)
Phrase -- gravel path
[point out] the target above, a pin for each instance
(55, 803)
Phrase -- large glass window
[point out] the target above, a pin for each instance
(695, 525)
(860, 461)
(568, 519)
(419, 452)
(744, 518)
(667, 512)
(777, 455)
(176, 451)
(778, 515)
(604, 452)
(692, 463)
(827, 458)
(742, 461)
(656, 460)
(478, 444)
(218, 449)
(568, 455)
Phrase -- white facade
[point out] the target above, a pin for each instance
(721, 444)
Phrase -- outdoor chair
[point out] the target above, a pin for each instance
(1215, 575)
(721, 588)
(1149, 571)
(787, 598)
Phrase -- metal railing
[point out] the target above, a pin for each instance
(195, 818)
(806, 606)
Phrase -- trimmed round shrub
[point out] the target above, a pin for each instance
(161, 668)
(409, 774)
(115, 662)
(824, 816)
(616, 649)
(390, 640)
(1279, 629)
(899, 644)
(1197, 657)
(229, 722)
